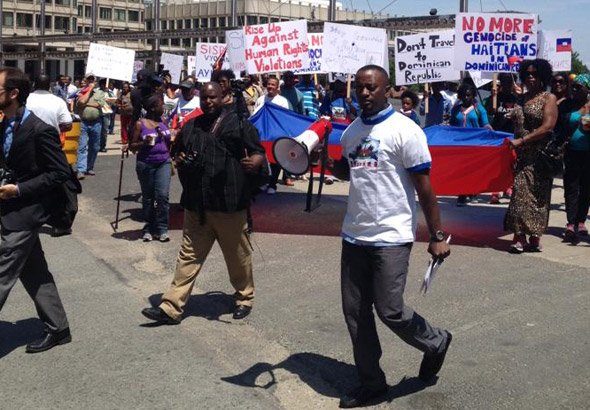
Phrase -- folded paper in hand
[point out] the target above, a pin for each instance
(433, 266)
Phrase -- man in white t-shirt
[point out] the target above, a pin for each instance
(272, 96)
(386, 158)
(51, 109)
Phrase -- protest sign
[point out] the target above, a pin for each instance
(315, 42)
(425, 57)
(235, 50)
(191, 64)
(172, 63)
(486, 41)
(207, 54)
(110, 62)
(555, 46)
(480, 79)
(348, 48)
(276, 47)
(137, 66)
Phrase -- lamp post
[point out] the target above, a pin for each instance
(463, 6)
(1, 23)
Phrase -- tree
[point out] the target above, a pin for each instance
(578, 67)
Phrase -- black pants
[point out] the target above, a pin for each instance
(275, 170)
(576, 185)
(377, 276)
(21, 257)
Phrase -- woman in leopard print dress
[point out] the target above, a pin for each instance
(534, 120)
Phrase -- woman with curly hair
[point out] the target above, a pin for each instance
(534, 120)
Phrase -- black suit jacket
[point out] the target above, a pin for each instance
(40, 166)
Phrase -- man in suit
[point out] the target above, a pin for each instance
(31, 153)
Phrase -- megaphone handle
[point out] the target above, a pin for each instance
(323, 161)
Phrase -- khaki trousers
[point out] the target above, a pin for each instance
(229, 229)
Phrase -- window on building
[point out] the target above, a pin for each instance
(251, 20)
(148, 25)
(163, 25)
(80, 29)
(186, 42)
(179, 24)
(171, 25)
(187, 23)
(222, 22)
(87, 29)
(204, 23)
(87, 11)
(213, 22)
(212, 39)
(105, 13)
(47, 21)
(80, 11)
(62, 23)
(7, 19)
(24, 20)
(263, 20)
(133, 15)
(62, 2)
(240, 20)
(141, 16)
(120, 15)
(195, 23)
(164, 42)
(274, 20)
(175, 42)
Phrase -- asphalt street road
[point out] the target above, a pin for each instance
(520, 322)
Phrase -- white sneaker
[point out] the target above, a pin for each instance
(147, 237)
(271, 191)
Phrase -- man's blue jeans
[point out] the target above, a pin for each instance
(88, 145)
(154, 180)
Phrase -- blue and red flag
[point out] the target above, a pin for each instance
(464, 160)
(563, 45)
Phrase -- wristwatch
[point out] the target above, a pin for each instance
(438, 236)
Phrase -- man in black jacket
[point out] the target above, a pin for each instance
(215, 152)
(33, 165)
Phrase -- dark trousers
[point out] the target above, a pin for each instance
(275, 170)
(21, 257)
(576, 185)
(376, 276)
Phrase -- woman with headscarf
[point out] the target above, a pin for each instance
(528, 212)
(576, 176)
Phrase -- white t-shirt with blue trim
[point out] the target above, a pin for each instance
(382, 151)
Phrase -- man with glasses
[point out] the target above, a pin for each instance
(32, 165)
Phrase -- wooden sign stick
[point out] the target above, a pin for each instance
(426, 102)
(495, 91)
(348, 82)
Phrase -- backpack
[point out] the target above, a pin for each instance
(65, 204)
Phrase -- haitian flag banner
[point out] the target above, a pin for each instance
(464, 160)
(555, 46)
(469, 161)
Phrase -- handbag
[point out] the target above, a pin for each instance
(550, 158)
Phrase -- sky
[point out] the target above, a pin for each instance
(554, 14)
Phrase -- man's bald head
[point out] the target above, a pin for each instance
(42, 82)
(213, 85)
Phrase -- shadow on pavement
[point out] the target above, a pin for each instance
(210, 305)
(129, 197)
(326, 376)
(15, 335)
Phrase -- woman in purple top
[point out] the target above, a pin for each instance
(151, 143)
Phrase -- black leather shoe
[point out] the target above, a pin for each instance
(158, 315)
(242, 311)
(50, 340)
(432, 363)
(361, 397)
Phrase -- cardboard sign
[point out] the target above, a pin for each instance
(425, 58)
(276, 47)
(206, 56)
(480, 79)
(316, 44)
(110, 62)
(137, 66)
(492, 42)
(172, 63)
(348, 48)
(555, 46)
(191, 62)
(235, 50)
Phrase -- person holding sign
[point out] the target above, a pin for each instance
(386, 158)
(468, 114)
(337, 106)
(439, 107)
